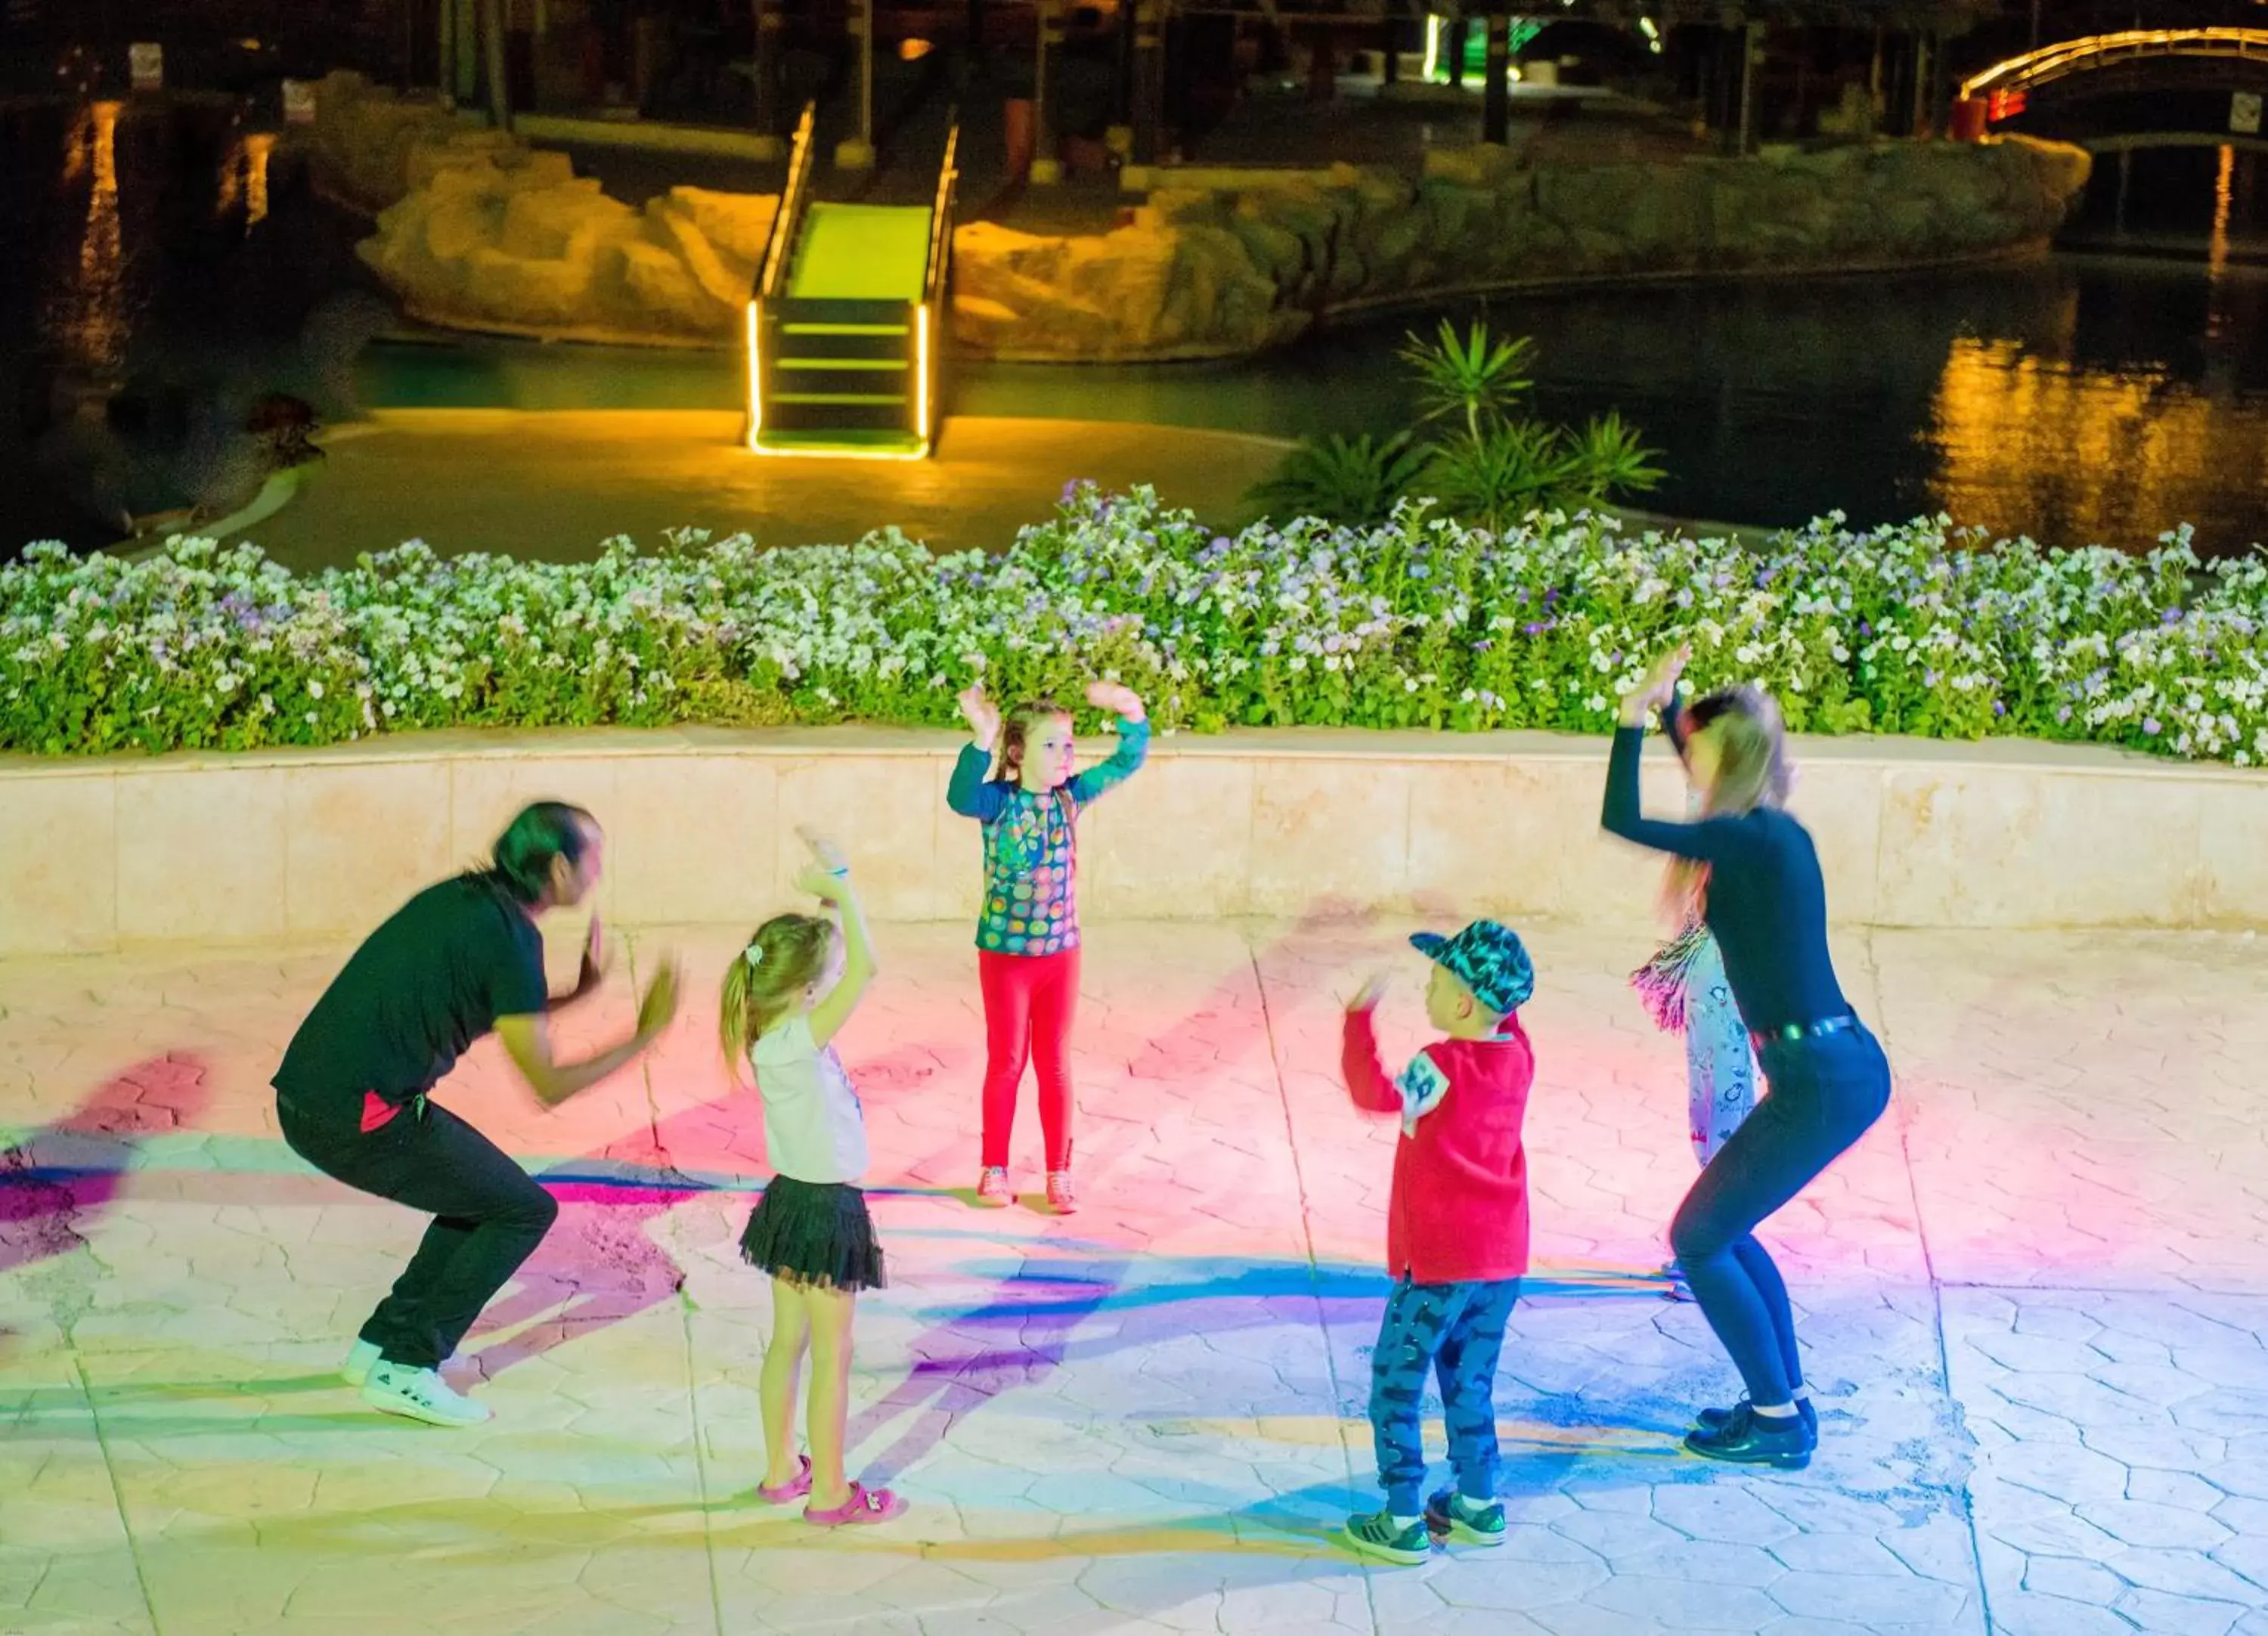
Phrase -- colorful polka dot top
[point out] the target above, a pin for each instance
(1031, 848)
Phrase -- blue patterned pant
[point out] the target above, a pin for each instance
(1455, 1331)
(1720, 1070)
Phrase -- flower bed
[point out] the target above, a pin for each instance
(1914, 629)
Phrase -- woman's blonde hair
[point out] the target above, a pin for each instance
(787, 955)
(1752, 771)
(1016, 727)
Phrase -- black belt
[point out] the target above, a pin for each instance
(1793, 1031)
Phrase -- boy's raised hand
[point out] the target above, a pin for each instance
(1372, 990)
(1119, 701)
(983, 716)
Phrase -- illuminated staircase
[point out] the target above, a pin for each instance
(844, 327)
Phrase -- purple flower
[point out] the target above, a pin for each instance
(2150, 726)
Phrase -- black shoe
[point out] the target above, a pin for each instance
(1747, 1438)
(1714, 1420)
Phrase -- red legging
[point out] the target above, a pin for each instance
(1028, 1002)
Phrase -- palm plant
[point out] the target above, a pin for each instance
(1509, 470)
(1497, 469)
(1476, 377)
(1355, 481)
(1606, 459)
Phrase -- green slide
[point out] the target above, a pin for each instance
(861, 253)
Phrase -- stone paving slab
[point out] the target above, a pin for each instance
(2034, 1300)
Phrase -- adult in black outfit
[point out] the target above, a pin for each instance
(459, 958)
(1826, 1077)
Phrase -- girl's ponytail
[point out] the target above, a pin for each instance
(785, 957)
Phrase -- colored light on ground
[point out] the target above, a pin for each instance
(914, 50)
(755, 373)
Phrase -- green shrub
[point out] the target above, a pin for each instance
(1422, 622)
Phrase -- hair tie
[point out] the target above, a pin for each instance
(753, 954)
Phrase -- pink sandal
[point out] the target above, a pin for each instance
(865, 1505)
(795, 1488)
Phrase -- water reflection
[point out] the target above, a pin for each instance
(2033, 445)
(87, 312)
(1998, 393)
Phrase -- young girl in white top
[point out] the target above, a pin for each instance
(790, 991)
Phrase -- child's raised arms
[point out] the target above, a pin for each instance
(827, 878)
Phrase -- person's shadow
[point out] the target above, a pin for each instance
(55, 1180)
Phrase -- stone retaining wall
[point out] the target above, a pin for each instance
(478, 231)
(1216, 273)
(100, 854)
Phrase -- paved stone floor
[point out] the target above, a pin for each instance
(2036, 1301)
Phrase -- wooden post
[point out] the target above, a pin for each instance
(1046, 168)
(1752, 47)
(857, 153)
(1919, 123)
(444, 73)
(769, 22)
(499, 85)
(1149, 78)
(1496, 90)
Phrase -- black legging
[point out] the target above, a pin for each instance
(1823, 1093)
(489, 1215)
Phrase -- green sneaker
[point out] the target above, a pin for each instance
(1450, 1515)
(1377, 1537)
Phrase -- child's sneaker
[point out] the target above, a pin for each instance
(1450, 1515)
(420, 1395)
(992, 1188)
(1378, 1536)
(361, 1360)
(1061, 1198)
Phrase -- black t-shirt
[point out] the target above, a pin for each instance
(423, 987)
(1766, 904)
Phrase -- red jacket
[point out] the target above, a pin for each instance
(1459, 1210)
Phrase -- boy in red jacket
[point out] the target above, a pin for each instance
(1456, 1234)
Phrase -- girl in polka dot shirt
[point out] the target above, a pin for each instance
(1027, 931)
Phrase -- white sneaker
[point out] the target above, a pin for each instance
(360, 1361)
(420, 1395)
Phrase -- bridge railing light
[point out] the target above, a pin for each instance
(2072, 56)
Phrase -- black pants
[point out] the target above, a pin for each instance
(1823, 1093)
(489, 1215)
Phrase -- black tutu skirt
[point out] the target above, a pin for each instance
(813, 1233)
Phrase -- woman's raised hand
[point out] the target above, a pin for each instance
(1119, 701)
(1657, 687)
(983, 716)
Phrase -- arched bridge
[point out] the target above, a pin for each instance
(2140, 87)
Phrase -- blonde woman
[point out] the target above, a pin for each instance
(1827, 1081)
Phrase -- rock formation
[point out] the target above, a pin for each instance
(481, 231)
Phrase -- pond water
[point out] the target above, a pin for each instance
(2084, 397)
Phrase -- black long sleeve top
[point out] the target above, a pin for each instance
(1766, 904)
